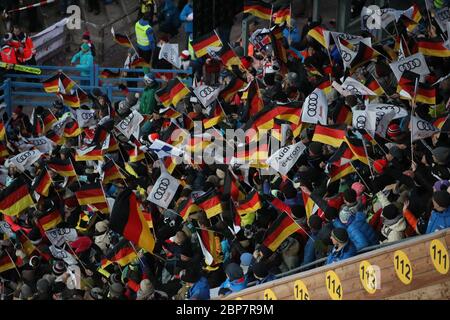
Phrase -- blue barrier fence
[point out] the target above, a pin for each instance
(27, 90)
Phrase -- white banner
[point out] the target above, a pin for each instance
(43, 144)
(63, 255)
(361, 121)
(315, 108)
(415, 63)
(206, 94)
(163, 149)
(130, 125)
(164, 190)
(422, 129)
(347, 55)
(23, 161)
(381, 120)
(285, 158)
(375, 18)
(59, 236)
(169, 52)
(354, 87)
(381, 107)
(85, 118)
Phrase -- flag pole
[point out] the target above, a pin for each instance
(413, 105)
(15, 266)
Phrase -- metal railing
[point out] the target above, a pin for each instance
(28, 90)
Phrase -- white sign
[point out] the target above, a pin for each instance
(169, 52)
(206, 94)
(415, 63)
(315, 108)
(285, 158)
(85, 118)
(23, 161)
(43, 144)
(130, 125)
(63, 255)
(163, 149)
(164, 190)
(381, 120)
(422, 129)
(399, 112)
(354, 87)
(59, 236)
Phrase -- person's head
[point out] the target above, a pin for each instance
(16, 30)
(331, 213)
(234, 271)
(149, 79)
(441, 200)
(180, 238)
(116, 290)
(315, 223)
(85, 47)
(190, 276)
(86, 37)
(441, 155)
(390, 212)
(315, 149)
(17, 112)
(260, 270)
(339, 237)
(394, 131)
(349, 197)
(146, 289)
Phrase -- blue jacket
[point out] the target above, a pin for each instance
(188, 25)
(348, 251)
(200, 290)
(309, 254)
(269, 278)
(295, 35)
(438, 220)
(361, 234)
(86, 62)
(235, 285)
(150, 35)
(170, 12)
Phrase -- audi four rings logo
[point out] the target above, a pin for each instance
(392, 107)
(24, 156)
(443, 15)
(162, 188)
(39, 142)
(409, 65)
(352, 89)
(87, 115)
(206, 92)
(346, 56)
(312, 104)
(361, 122)
(125, 122)
(424, 126)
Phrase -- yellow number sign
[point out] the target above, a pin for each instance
(333, 285)
(269, 295)
(403, 267)
(439, 256)
(300, 291)
(368, 276)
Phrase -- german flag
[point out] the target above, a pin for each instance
(59, 140)
(433, 48)
(426, 93)
(211, 248)
(72, 129)
(108, 74)
(62, 167)
(66, 83)
(343, 155)
(344, 115)
(3, 151)
(279, 51)
(178, 90)
(337, 173)
(282, 14)
(320, 35)
(121, 39)
(251, 204)
(93, 195)
(170, 113)
(187, 207)
(70, 100)
(254, 103)
(373, 85)
(309, 205)
(113, 145)
(263, 120)
(2, 131)
(6, 264)
(411, 17)
(364, 55)
(201, 44)
(48, 119)
(254, 153)
(164, 96)
(406, 84)
(231, 188)
(259, 9)
(216, 117)
(290, 112)
(96, 154)
(134, 153)
(357, 147)
(196, 145)
(27, 247)
(42, 183)
(15, 198)
(280, 230)
(211, 204)
(170, 164)
(281, 206)
(228, 93)
(122, 254)
(228, 57)
(325, 86)
(111, 172)
(139, 63)
(51, 85)
(50, 220)
(442, 124)
(127, 220)
(327, 135)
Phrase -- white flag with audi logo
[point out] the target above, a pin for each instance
(382, 107)
(130, 125)
(285, 158)
(169, 52)
(164, 190)
(60, 236)
(422, 129)
(361, 121)
(380, 119)
(415, 63)
(85, 118)
(354, 87)
(43, 144)
(315, 108)
(206, 94)
(23, 161)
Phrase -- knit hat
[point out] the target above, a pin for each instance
(86, 35)
(116, 289)
(81, 244)
(350, 195)
(246, 259)
(234, 271)
(59, 267)
(390, 212)
(96, 293)
(380, 165)
(146, 289)
(315, 222)
(340, 235)
(442, 198)
(43, 286)
(26, 292)
(359, 188)
(85, 47)
(260, 270)
(101, 226)
(441, 154)
(441, 185)
(185, 55)
(393, 130)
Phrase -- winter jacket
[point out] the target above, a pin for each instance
(359, 231)
(235, 285)
(200, 290)
(148, 101)
(346, 252)
(438, 220)
(309, 254)
(86, 62)
(188, 25)
(394, 232)
(268, 278)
